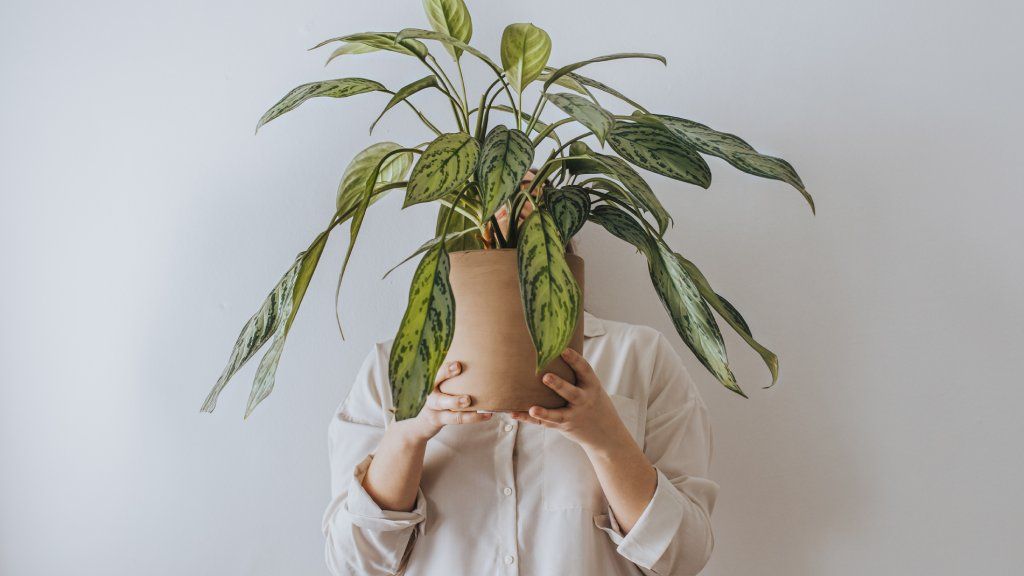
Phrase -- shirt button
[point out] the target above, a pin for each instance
(509, 560)
(508, 492)
(508, 427)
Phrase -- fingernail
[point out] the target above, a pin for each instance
(453, 367)
(464, 401)
(548, 378)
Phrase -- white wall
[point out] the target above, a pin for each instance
(142, 223)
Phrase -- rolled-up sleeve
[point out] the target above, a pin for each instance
(361, 537)
(673, 535)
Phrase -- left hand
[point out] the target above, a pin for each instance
(590, 419)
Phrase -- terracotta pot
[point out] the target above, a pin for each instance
(491, 339)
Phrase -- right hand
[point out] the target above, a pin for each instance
(441, 409)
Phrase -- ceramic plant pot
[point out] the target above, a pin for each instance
(492, 340)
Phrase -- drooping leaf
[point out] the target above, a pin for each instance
(450, 237)
(636, 186)
(538, 125)
(271, 321)
(597, 119)
(731, 315)
(504, 160)
(467, 241)
(444, 167)
(732, 149)
(569, 207)
(611, 188)
(565, 81)
(383, 41)
(424, 335)
(339, 88)
(525, 50)
(678, 292)
(353, 181)
(655, 148)
(591, 83)
(551, 297)
(410, 33)
(350, 48)
(405, 92)
(577, 65)
(450, 17)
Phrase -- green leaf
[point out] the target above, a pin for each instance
(504, 160)
(577, 65)
(636, 186)
(458, 222)
(525, 50)
(424, 335)
(271, 321)
(569, 207)
(405, 92)
(350, 48)
(731, 315)
(340, 88)
(678, 293)
(591, 83)
(551, 297)
(444, 167)
(595, 118)
(732, 149)
(448, 239)
(564, 81)
(353, 181)
(450, 17)
(383, 41)
(657, 149)
(447, 40)
(538, 125)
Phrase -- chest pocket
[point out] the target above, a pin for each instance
(568, 478)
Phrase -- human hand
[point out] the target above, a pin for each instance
(440, 410)
(590, 419)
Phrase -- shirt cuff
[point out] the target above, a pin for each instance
(654, 530)
(364, 512)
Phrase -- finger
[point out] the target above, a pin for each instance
(525, 417)
(456, 418)
(438, 400)
(584, 372)
(563, 388)
(548, 415)
(446, 371)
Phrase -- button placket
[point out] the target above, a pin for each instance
(505, 478)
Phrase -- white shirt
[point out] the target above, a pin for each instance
(506, 498)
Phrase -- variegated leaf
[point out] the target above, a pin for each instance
(339, 88)
(577, 65)
(591, 83)
(597, 119)
(525, 50)
(448, 239)
(353, 181)
(504, 160)
(636, 186)
(272, 320)
(444, 167)
(732, 149)
(731, 315)
(424, 335)
(410, 33)
(405, 92)
(350, 48)
(610, 188)
(551, 297)
(565, 81)
(383, 41)
(622, 226)
(657, 149)
(569, 207)
(578, 165)
(450, 17)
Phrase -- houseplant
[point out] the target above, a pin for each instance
(476, 169)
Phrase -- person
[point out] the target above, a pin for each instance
(614, 483)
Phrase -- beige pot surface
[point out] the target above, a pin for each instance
(491, 339)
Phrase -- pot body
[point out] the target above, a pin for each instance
(492, 340)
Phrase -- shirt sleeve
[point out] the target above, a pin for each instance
(673, 534)
(361, 537)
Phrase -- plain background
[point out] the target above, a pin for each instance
(142, 223)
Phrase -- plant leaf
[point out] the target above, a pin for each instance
(383, 41)
(353, 181)
(591, 83)
(424, 335)
(447, 40)
(405, 92)
(445, 165)
(564, 81)
(678, 293)
(657, 149)
(459, 222)
(636, 186)
(569, 207)
(504, 160)
(350, 48)
(577, 65)
(272, 320)
(525, 50)
(538, 125)
(450, 17)
(732, 149)
(451, 236)
(339, 88)
(551, 297)
(579, 165)
(597, 119)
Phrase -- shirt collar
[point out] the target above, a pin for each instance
(592, 325)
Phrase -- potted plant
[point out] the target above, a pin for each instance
(472, 168)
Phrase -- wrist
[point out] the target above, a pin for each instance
(413, 434)
(616, 442)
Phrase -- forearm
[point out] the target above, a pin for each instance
(627, 477)
(393, 478)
